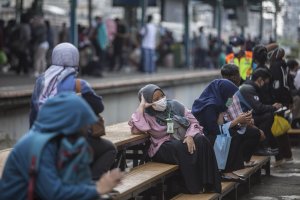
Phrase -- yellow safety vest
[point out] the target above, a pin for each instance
(244, 63)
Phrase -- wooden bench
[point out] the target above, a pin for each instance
(3, 157)
(142, 177)
(205, 196)
(294, 131)
(120, 134)
(294, 136)
(228, 187)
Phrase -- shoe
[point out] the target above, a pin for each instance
(240, 175)
(266, 152)
(250, 163)
(226, 178)
(289, 160)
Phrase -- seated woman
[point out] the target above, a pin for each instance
(176, 138)
(215, 100)
(61, 76)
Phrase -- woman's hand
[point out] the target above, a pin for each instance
(190, 143)
(109, 180)
(143, 104)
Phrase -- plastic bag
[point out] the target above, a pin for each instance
(280, 126)
(222, 146)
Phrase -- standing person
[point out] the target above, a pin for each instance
(282, 94)
(148, 33)
(118, 45)
(213, 102)
(65, 115)
(60, 77)
(202, 50)
(20, 42)
(40, 45)
(240, 57)
(294, 69)
(63, 34)
(189, 149)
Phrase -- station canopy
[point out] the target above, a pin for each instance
(231, 3)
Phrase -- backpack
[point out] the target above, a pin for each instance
(73, 159)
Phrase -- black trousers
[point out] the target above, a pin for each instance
(198, 170)
(104, 156)
(264, 122)
(249, 141)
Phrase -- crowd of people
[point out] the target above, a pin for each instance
(255, 83)
(107, 45)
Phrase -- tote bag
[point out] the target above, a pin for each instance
(222, 145)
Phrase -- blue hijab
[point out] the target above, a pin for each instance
(65, 113)
(216, 93)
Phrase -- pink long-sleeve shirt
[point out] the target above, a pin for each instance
(158, 133)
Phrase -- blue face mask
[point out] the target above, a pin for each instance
(254, 65)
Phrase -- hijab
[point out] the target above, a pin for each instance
(65, 113)
(216, 93)
(65, 61)
(174, 108)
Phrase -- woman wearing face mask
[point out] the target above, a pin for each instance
(187, 147)
(215, 100)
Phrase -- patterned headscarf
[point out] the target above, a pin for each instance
(65, 61)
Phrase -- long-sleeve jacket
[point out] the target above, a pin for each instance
(68, 84)
(280, 84)
(48, 186)
(158, 133)
(250, 93)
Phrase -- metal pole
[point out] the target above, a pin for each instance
(187, 34)
(219, 11)
(275, 19)
(261, 22)
(144, 10)
(18, 15)
(73, 23)
(90, 3)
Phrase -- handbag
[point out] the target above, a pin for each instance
(222, 145)
(280, 126)
(97, 129)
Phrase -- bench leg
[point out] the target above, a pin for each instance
(268, 168)
(121, 160)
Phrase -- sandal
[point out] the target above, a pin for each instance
(251, 163)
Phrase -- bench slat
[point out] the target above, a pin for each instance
(205, 196)
(120, 134)
(142, 176)
(248, 171)
(294, 131)
(226, 188)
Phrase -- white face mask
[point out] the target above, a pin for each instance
(160, 105)
(236, 50)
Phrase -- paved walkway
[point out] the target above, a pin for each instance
(13, 82)
(283, 184)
